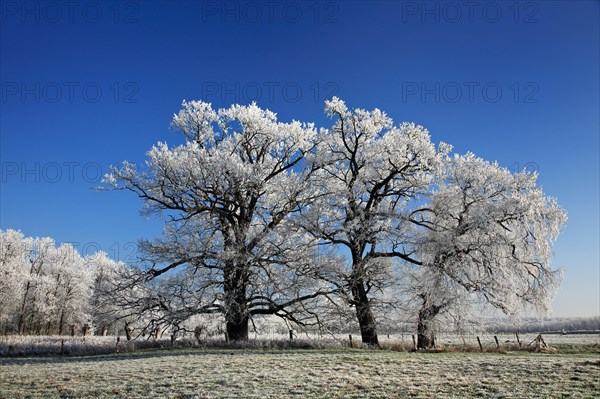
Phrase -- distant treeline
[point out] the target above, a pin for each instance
(532, 325)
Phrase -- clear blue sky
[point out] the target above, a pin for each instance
(89, 84)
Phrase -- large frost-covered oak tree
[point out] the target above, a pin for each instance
(373, 172)
(232, 244)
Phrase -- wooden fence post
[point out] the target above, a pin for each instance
(480, 346)
(350, 338)
(414, 342)
(538, 342)
(198, 333)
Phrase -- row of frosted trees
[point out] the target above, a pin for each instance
(266, 218)
(47, 288)
(271, 219)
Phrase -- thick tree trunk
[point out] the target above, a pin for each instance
(237, 327)
(236, 314)
(425, 331)
(236, 311)
(235, 281)
(425, 335)
(366, 321)
(364, 314)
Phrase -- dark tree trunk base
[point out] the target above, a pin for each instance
(425, 341)
(238, 331)
(366, 321)
(425, 331)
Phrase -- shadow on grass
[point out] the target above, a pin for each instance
(183, 349)
(126, 356)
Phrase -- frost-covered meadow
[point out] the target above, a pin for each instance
(342, 373)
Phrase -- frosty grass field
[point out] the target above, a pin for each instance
(574, 371)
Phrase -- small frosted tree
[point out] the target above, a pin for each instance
(13, 274)
(105, 310)
(431, 299)
(71, 289)
(489, 234)
(36, 301)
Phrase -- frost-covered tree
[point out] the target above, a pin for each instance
(373, 172)
(231, 193)
(106, 312)
(13, 273)
(489, 234)
(37, 300)
(71, 282)
(431, 299)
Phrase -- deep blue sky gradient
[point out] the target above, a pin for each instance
(147, 56)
